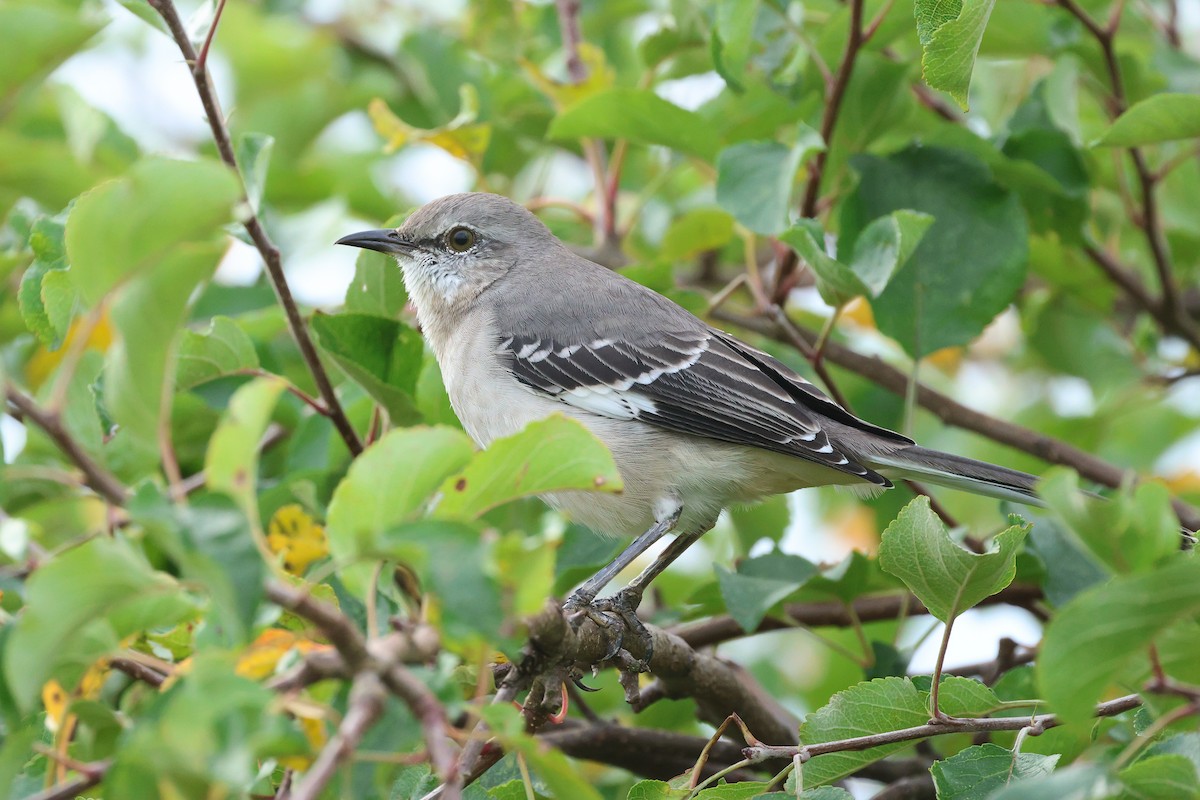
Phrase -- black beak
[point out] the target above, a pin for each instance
(383, 240)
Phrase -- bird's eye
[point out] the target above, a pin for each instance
(460, 240)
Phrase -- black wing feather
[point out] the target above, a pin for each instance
(700, 382)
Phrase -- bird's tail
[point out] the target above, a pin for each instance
(957, 472)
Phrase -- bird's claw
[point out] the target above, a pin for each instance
(608, 613)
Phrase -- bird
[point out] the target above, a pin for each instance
(696, 420)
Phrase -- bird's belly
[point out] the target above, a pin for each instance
(657, 466)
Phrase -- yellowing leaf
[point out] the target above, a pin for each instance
(600, 76)
(462, 137)
(261, 658)
(313, 728)
(948, 359)
(44, 361)
(54, 700)
(296, 536)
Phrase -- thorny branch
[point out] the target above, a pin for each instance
(262, 241)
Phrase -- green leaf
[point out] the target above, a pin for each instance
(819, 793)
(223, 349)
(1075, 781)
(453, 562)
(553, 454)
(1106, 629)
(742, 790)
(390, 483)
(231, 464)
(695, 232)
(836, 282)
(128, 225)
(1161, 777)
(970, 263)
(951, 47)
(384, 356)
(948, 579)
(655, 790)
(1158, 118)
(253, 158)
(378, 286)
(878, 706)
(638, 115)
(885, 246)
(79, 606)
(976, 772)
(141, 360)
(46, 296)
(755, 180)
(37, 36)
(1125, 534)
(211, 542)
(760, 583)
(884, 704)
(1070, 568)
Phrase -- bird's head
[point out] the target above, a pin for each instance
(453, 248)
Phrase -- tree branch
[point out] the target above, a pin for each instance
(90, 776)
(266, 248)
(364, 708)
(835, 91)
(1039, 723)
(336, 626)
(101, 481)
(381, 660)
(715, 630)
(954, 413)
(1172, 303)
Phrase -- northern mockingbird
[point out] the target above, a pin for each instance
(696, 420)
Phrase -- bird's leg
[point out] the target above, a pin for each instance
(586, 593)
(626, 601)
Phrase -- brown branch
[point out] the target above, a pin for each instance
(266, 248)
(336, 626)
(1148, 220)
(138, 671)
(647, 752)
(367, 698)
(715, 630)
(1039, 723)
(379, 659)
(954, 413)
(101, 481)
(835, 91)
(432, 718)
(90, 775)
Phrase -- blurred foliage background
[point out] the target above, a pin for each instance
(224, 565)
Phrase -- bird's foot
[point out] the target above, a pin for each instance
(617, 615)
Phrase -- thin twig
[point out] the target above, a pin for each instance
(91, 775)
(366, 705)
(1148, 220)
(101, 481)
(949, 725)
(335, 625)
(835, 91)
(262, 241)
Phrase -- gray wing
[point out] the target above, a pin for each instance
(698, 381)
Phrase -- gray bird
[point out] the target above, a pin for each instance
(696, 419)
